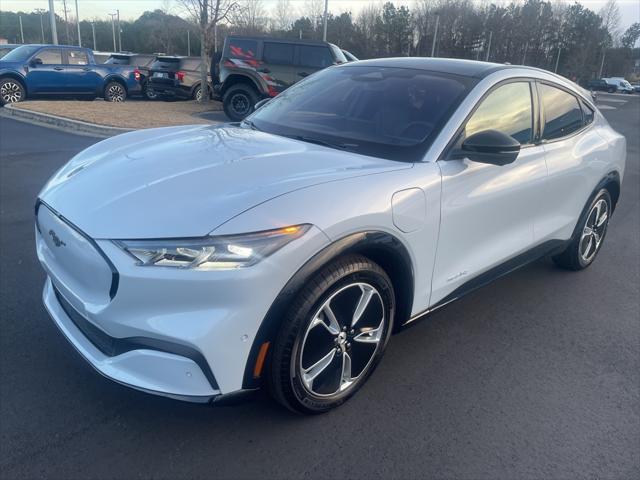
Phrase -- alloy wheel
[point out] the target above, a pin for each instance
(342, 339)
(11, 92)
(241, 104)
(594, 230)
(116, 93)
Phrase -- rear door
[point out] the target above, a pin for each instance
(311, 58)
(48, 76)
(81, 77)
(488, 212)
(278, 65)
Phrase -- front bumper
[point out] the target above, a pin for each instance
(179, 333)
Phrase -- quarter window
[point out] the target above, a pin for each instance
(242, 49)
(278, 53)
(562, 112)
(588, 113)
(506, 109)
(77, 57)
(317, 57)
(51, 56)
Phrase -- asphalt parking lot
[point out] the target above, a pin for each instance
(535, 376)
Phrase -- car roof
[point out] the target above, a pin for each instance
(454, 66)
(280, 40)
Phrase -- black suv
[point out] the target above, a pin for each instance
(601, 85)
(251, 68)
(140, 62)
(175, 77)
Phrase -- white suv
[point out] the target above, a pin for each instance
(203, 262)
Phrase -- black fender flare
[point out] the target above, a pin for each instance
(376, 245)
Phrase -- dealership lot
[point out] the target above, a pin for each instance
(535, 376)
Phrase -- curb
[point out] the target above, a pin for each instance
(61, 123)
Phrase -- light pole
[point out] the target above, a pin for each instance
(41, 11)
(188, 44)
(604, 53)
(324, 28)
(486, 59)
(119, 32)
(435, 35)
(555, 70)
(52, 18)
(78, 23)
(113, 28)
(21, 31)
(93, 31)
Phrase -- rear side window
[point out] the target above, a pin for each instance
(506, 109)
(242, 49)
(562, 112)
(278, 53)
(587, 112)
(50, 56)
(317, 57)
(77, 57)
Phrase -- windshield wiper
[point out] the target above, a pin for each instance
(324, 143)
(250, 124)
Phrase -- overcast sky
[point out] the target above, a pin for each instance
(131, 9)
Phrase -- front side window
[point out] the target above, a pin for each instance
(316, 57)
(562, 112)
(242, 49)
(278, 53)
(50, 56)
(392, 113)
(506, 109)
(77, 57)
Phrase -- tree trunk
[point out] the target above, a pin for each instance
(204, 84)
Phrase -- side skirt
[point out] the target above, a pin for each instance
(551, 247)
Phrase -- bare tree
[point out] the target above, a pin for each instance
(282, 14)
(314, 10)
(250, 17)
(610, 15)
(207, 14)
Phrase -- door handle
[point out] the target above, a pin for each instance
(264, 70)
(303, 74)
(58, 68)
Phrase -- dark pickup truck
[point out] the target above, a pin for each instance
(45, 70)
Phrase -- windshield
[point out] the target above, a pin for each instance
(392, 113)
(20, 54)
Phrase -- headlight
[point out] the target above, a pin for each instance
(211, 253)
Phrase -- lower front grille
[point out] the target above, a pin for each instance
(97, 337)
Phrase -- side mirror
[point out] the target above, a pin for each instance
(491, 146)
(35, 61)
(261, 103)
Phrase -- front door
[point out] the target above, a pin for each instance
(277, 67)
(46, 71)
(488, 212)
(81, 77)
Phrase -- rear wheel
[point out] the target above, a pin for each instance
(11, 91)
(333, 337)
(115, 92)
(197, 93)
(239, 101)
(587, 241)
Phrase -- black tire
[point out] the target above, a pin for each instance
(302, 339)
(196, 93)
(115, 92)
(239, 101)
(11, 91)
(149, 94)
(583, 249)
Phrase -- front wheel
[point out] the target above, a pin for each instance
(11, 91)
(239, 102)
(588, 239)
(115, 92)
(333, 337)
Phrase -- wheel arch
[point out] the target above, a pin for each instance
(381, 247)
(115, 78)
(612, 183)
(240, 78)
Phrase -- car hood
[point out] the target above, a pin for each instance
(186, 181)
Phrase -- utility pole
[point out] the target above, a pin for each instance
(93, 31)
(188, 44)
(113, 28)
(326, 12)
(21, 31)
(41, 11)
(119, 32)
(604, 53)
(52, 18)
(526, 47)
(435, 35)
(555, 70)
(486, 58)
(78, 23)
(66, 21)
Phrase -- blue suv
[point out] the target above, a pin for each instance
(43, 70)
